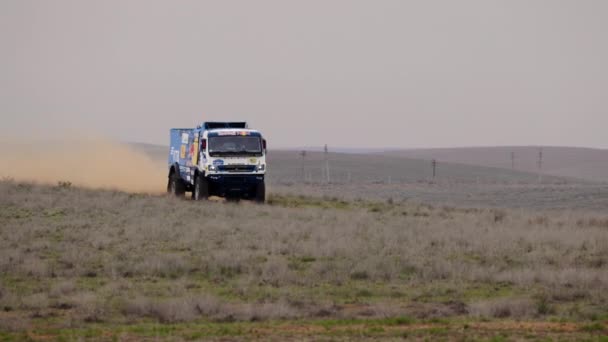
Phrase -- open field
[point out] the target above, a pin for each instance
(387, 177)
(587, 197)
(112, 265)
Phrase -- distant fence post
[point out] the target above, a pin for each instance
(512, 160)
(540, 164)
(328, 179)
(303, 154)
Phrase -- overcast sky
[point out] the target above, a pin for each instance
(349, 73)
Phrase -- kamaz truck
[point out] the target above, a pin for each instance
(225, 159)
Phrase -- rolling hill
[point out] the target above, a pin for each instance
(583, 163)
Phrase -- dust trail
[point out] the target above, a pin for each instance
(91, 163)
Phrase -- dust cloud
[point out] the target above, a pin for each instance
(90, 163)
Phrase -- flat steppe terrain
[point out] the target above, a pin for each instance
(382, 250)
(109, 265)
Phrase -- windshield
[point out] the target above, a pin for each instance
(238, 145)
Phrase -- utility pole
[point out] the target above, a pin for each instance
(434, 163)
(540, 164)
(513, 160)
(303, 154)
(328, 179)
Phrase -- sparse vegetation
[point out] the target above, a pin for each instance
(94, 258)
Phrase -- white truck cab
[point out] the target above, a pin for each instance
(224, 159)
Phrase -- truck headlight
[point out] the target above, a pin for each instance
(211, 168)
(260, 167)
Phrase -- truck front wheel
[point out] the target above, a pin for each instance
(201, 188)
(260, 192)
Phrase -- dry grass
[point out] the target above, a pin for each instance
(103, 256)
(505, 308)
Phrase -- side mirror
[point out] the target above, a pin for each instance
(264, 145)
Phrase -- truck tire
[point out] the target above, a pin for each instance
(260, 192)
(176, 186)
(201, 188)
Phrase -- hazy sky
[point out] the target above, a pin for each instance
(349, 73)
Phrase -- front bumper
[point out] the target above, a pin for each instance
(228, 185)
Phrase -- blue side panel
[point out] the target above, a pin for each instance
(182, 148)
(176, 143)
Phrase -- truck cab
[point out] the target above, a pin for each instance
(225, 159)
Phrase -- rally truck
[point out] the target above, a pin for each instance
(225, 159)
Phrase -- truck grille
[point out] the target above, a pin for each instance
(236, 168)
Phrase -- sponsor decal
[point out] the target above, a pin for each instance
(194, 151)
(191, 151)
(218, 162)
(233, 133)
(253, 160)
(185, 137)
(182, 153)
(174, 155)
(226, 133)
